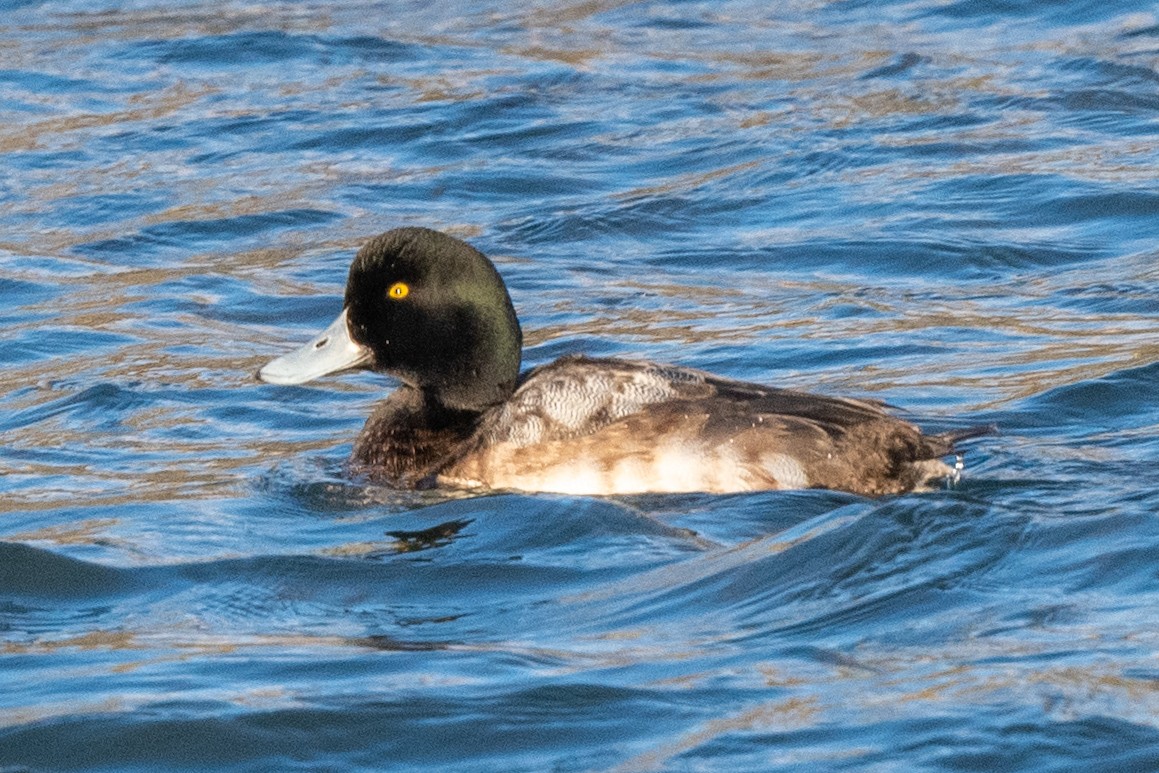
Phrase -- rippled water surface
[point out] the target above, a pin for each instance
(951, 206)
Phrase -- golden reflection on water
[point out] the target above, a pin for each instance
(84, 532)
(780, 716)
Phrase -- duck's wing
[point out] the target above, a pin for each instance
(576, 396)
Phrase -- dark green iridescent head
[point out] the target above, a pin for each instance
(433, 311)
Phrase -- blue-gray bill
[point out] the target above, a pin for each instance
(331, 351)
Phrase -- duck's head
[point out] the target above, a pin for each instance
(426, 308)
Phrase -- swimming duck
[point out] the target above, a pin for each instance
(433, 312)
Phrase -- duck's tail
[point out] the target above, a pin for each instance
(946, 443)
(955, 436)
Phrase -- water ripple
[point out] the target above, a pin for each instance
(948, 206)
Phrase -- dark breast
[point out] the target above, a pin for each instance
(406, 440)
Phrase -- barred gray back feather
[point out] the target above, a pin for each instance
(577, 395)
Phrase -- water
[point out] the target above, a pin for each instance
(947, 205)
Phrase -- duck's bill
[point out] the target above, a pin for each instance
(333, 350)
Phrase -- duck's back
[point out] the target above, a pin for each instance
(603, 426)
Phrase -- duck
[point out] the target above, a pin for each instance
(434, 313)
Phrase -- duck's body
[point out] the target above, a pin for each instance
(464, 418)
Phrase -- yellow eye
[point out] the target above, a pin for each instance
(398, 291)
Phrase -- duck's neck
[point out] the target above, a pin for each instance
(478, 367)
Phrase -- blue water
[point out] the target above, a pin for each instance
(951, 206)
